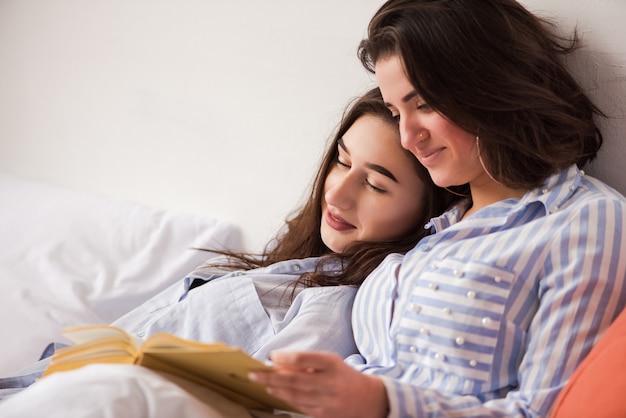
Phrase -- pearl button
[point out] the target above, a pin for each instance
(413, 349)
(440, 357)
(581, 172)
(486, 321)
(296, 268)
(415, 308)
(424, 331)
(434, 266)
(471, 294)
(447, 311)
(433, 286)
(497, 279)
(460, 340)
(544, 191)
(473, 363)
(458, 273)
(572, 188)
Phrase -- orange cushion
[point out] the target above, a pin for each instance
(598, 386)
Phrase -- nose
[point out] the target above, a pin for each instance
(411, 133)
(339, 191)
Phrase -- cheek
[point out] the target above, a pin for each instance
(397, 219)
(411, 214)
(463, 141)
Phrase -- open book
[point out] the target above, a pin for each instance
(217, 366)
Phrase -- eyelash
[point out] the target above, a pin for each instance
(370, 185)
(425, 107)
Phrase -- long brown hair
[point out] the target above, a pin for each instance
(496, 70)
(300, 237)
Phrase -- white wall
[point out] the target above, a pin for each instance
(217, 107)
(600, 67)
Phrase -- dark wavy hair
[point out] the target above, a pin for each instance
(301, 238)
(496, 70)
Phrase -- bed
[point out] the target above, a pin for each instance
(186, 90)
(71, 258)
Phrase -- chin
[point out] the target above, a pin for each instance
(333, 245)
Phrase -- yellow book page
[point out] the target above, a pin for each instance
(220, 367)
(78, 363)
(163, 342)
(94, 344)
(102, 344)
(86, 333)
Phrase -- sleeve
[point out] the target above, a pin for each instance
(586, 393)
(581, 291)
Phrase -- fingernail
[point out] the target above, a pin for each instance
(253, 376)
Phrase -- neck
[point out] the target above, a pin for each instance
(490, 192)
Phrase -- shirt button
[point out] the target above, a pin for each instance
(486, 321)
(471, 294)
(440, 357)
(415, 308)
(460, 340)
(424, 247)
(497, 279)
(572, 188)
(433, 286)
(424, 331)
(296, 268)
(473, 363)
(434, 266)
(447, 311)
(457, 273)
(412, 349)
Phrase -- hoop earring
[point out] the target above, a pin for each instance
(482, 163)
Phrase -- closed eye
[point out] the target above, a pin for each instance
(341, 163)
(376, 189)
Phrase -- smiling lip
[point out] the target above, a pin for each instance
(428, 157)
(337, 223)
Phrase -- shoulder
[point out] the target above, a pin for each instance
(596, 201)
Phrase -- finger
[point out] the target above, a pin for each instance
(286, 378)
(303, 401)
(307, 360)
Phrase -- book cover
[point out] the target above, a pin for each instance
(218, 366)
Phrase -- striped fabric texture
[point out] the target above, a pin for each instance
(489, 316)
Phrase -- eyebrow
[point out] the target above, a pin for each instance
(375, 167)
(406, 98)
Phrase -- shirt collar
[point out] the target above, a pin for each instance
(555, 191)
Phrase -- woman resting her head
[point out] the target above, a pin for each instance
(370, 198)
(490, 315)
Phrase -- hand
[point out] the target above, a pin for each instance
(323, 386)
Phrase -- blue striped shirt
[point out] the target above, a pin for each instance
(489, 316)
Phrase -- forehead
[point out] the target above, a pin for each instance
(393, 81)
(376, 140)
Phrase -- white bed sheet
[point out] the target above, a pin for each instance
(117, 390)
(69, 258)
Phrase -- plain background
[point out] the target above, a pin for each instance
(220, 108)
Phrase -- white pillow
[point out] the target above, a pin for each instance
(70, 258)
